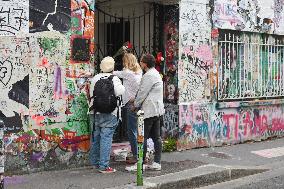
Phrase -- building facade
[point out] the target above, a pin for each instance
(230, 71)
(44, 46)
(223, 71)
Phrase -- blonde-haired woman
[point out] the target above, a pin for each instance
(131, 75)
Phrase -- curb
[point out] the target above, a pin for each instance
(194, 178)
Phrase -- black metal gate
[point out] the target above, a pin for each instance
(143, 31)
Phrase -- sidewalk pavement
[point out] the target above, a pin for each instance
(192, 168)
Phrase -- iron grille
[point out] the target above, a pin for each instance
(250, 66)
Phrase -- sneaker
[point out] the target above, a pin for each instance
(154, 166)
(133, 167)
(107, 170)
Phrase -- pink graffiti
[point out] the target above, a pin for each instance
(277, 124)
(205, 54)
(38, 119)
(187, 50)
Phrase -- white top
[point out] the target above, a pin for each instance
(119, 89)
(131, 82)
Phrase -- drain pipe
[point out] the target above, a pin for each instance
(140, 143)
(2, 154)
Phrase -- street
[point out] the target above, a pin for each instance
(248, 156)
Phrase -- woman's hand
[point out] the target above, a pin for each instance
(85, 74)
(131, 100)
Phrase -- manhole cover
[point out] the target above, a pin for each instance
(219, 155)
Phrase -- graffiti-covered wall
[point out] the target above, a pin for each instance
(195, 57)
(44, 47)
(230, 71)
(212, 124)
(169, 70)
(249, 15)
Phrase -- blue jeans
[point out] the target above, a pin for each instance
(132, 129)
(105, 125)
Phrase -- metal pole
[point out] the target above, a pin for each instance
(140, 141)
(2, 154)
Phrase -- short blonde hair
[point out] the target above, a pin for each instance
(130, 62)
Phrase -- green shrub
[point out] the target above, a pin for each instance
(169, 144)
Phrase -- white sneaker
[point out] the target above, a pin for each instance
(133, 167)
(154, 166)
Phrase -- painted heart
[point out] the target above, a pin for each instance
(5, 72)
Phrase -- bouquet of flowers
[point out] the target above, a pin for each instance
(127, 47)
(159, 60)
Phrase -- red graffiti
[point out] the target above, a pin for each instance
(260, 123)
(277, 124)
(226, 118)
(247, 123)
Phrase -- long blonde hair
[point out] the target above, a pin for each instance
(130, 62)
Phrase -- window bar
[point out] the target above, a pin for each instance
(220, 67)
(234, 71)
(249, 67)
(266, 76)
(263, 52)
(123, 26)
(261, 65)
(149, 20)
(276, 78)
(110, 47)
(244, 69)
(271, 66)
(252, 89)
(261, 70)
(144, 34)
(98, 42)
(225, 68)
(104, 35)
(282, 69)
(243, 66)
(282, 61)
(266, 68)
(139, 40)
(240, 44)
(258, 66)
(128, 22)
(269, 63)
(278, 68)
(133, 33)
(229, 66)
(115, 31)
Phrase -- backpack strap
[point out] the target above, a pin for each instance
(111, 77)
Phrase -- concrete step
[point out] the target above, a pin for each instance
(194, 178)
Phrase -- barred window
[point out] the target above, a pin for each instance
(251, 66)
